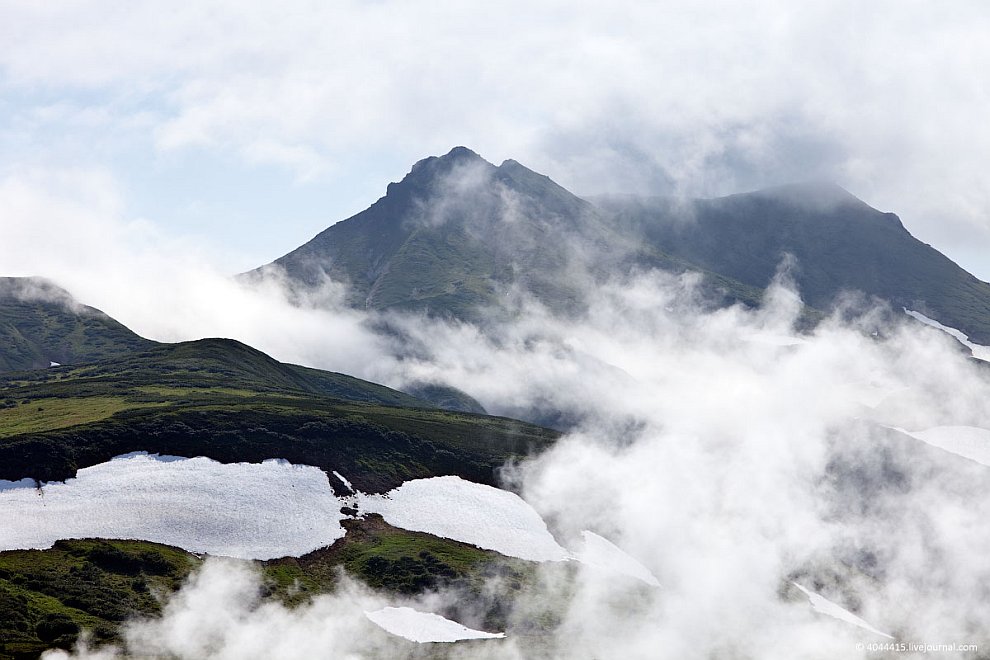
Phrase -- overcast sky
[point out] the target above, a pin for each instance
(246, 128)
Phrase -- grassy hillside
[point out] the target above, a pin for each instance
(41, 323)
(387, 558)
(47, 597)
(224, 400)
(211, 363)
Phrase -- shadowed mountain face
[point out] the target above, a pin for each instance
(41, 323)
(458, 234)
(838, 242)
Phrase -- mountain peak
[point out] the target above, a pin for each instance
(457, 156)
(461, 152)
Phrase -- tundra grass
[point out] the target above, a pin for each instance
(47, 414)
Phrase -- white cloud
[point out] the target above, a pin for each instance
(70, 226)
(727, 466)
(220, 616)
(723, 464)
(700, 98)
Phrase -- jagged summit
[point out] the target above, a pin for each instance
(461, 153)
(454, 157)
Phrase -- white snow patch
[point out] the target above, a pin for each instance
(600, 553)
(343, 481)
(472, 513)
(243, 510)
(824, 606)
(53, 364)
(970, 442)
(424, 626)
(980, 352)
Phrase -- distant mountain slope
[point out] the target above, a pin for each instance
(458, 233)
(41, 323)
(839, 242)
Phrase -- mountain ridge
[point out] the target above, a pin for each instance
(458, 234)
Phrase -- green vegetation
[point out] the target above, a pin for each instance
(219, 366)
(47, 597)
(41, 323)
(46, 414)
(388, 558)
(222, 399)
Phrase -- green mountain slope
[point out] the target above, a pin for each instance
(224, 400)
(41, 323)
(212, 362)
(839, 243)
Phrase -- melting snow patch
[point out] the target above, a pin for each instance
(244, 510)
(602, 554)
(53, 364)
(468, 512)
(979, 352)
(969, 442)
(344, 481)
(424, 627)
(825, 606)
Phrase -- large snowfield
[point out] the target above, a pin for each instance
(243, 510)
(256, 511)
